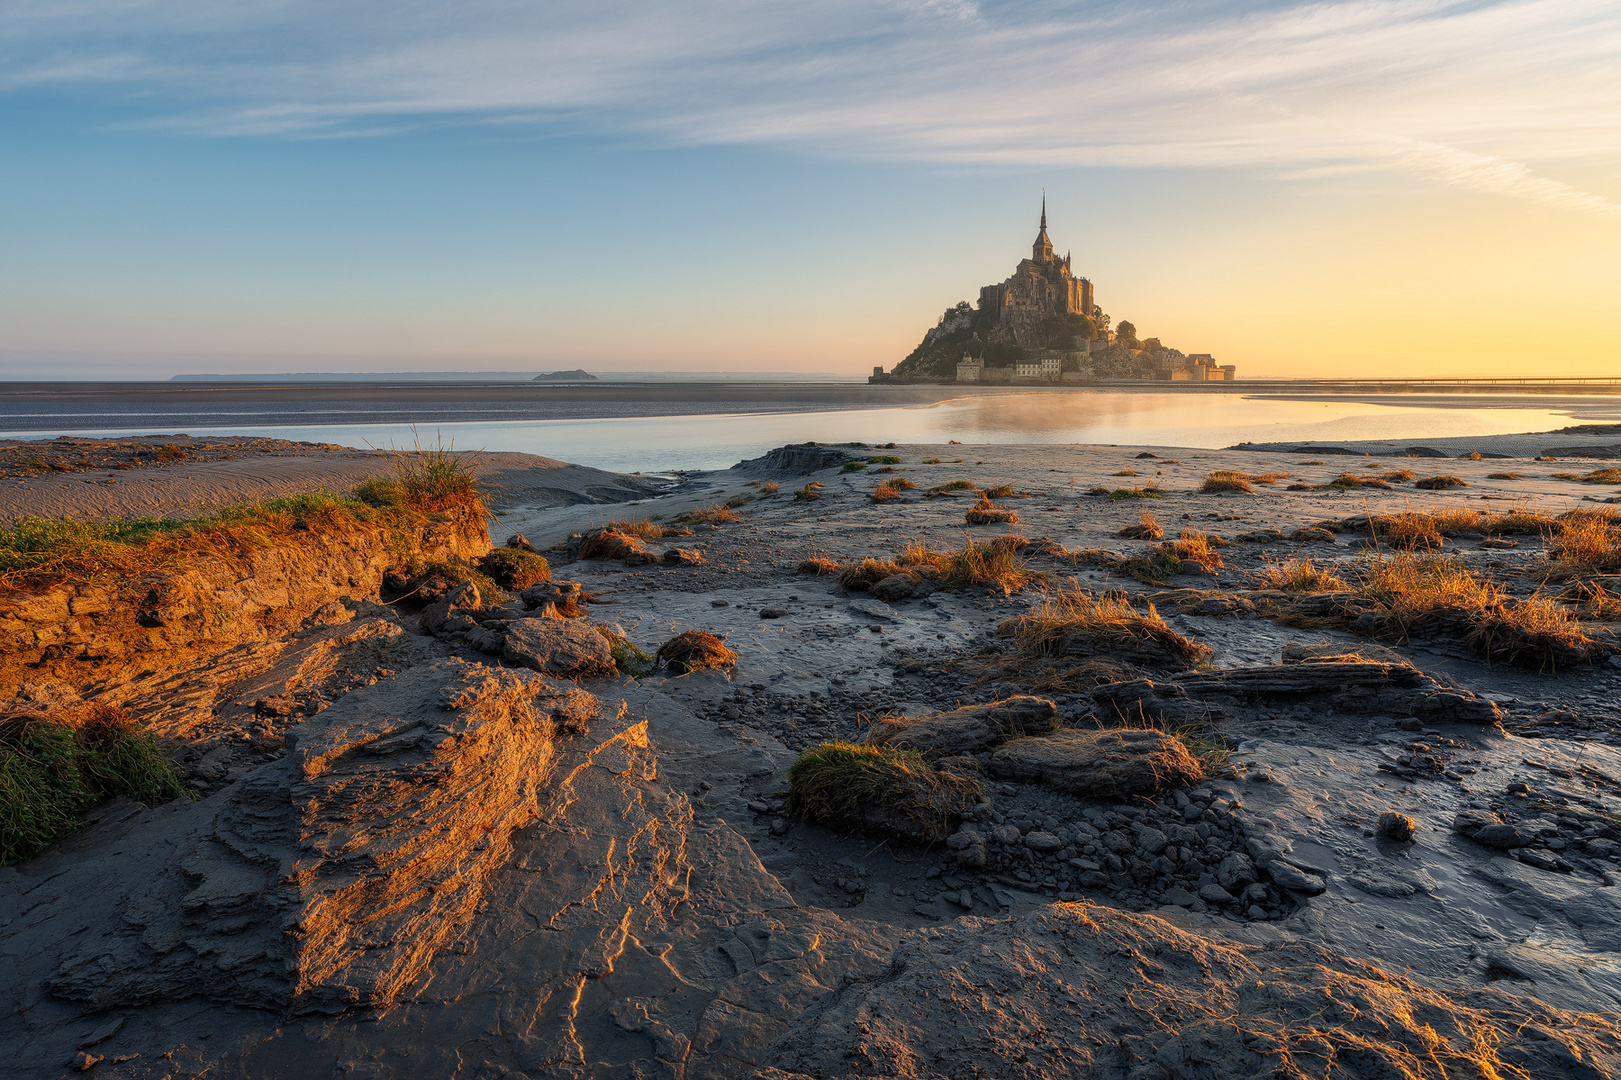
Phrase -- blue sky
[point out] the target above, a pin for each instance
(190, 186)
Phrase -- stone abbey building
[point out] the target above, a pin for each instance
(1041, 287)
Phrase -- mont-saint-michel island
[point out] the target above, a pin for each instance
(1042, 325)
(492, 586)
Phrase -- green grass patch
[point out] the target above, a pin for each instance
(53, 768)
(853, 787)
(1149, 492)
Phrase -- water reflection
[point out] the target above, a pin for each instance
(1125, 418)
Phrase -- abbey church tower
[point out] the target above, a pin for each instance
(1041, 286)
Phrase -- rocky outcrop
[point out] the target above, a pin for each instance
(1074, 990)
(328, 879)
(558, 647)
(967, 730)
(112, 631)
(1099, 764)
(798, 459)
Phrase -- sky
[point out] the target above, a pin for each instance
(1377, 187)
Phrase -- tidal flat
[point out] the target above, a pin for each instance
(1284, 760)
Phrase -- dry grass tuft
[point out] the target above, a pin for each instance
(644, 530)
(819, 565)
(865, 574)
(1194, 545)
(1002, 491)
(949, 488)
(1415, 593)
(694, 650)
(890, 490)
(1299, 575)
(812, 490)
(1505, 476)
(985, 512)
(1147, 528)
(612, 545)
(769, 488)
(1587, 541)
(1347, 480)
(1439, 483)
(994, 565)
(1072, 622)
(1226, 480)
(1127, 472)
(712, 515)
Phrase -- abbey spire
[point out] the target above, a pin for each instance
(1042, 250)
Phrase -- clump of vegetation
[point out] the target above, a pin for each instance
(853, 466)
(819, 565)
(1127, 472)
(1299, 575)
(1001, 491)
(949, 488)
(1587, 542)
(1505, 476)
(986, 512)
(649, 529)
(1597, 476)
(1410, 593)
(1147, 528)
(39, 552)
(810, 491)
(515, 569)
(993, 565)
(694, 650)
(1149, 491)
(168, 454)
(1195, 545)
(1439, 483)
(712, 515)
(931, 461)
(768, 488)
(853, 787)
(890, 490)
(1312, 462)
(629, 658)
(865, 574)
(738, 500)
(884, 459)
(1223, 480)
(1073, 622)
(611, 544)
(1347, 480)
(54, 767)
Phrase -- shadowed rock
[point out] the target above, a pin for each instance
(1110, 764)
(967, 730)
(558, 647)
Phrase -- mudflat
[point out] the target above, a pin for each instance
(1202, 791)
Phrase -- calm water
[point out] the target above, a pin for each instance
(718, 440)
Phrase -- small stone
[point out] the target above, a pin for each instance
(84, 1062)
(1042, 841)
(1215, 894)
(1179, 896)
(779, 826)
(774, 613)
(1236, 870)
(1255, 911)
(1396, 826)
(1294, 879)
(1501, 837)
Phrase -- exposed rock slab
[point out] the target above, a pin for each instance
(558, 647)
(969, 729)
(1108, 764)
(1080, 991)
(330, 878)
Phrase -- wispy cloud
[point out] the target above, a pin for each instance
(1463, 92)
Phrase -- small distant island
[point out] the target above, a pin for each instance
(1041, 325)
(577, 375)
